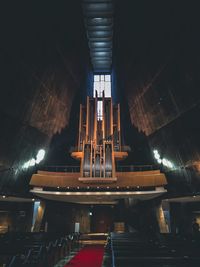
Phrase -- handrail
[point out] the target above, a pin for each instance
(13, 261)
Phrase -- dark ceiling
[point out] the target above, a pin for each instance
(150, 30)
(32, 31)
(98, 17)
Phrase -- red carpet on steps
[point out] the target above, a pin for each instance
(89, 256)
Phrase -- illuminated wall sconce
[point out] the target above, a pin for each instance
(32, 162)
(167, 163)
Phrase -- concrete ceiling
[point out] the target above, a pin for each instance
(98, 17)
(185, 199)
(5, 198)
(97, 197)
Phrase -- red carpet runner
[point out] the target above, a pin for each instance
(89, 256)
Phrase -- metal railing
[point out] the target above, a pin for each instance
(132, 168)
(122, 168)
(61, 168)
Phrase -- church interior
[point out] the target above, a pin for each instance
(100, 133)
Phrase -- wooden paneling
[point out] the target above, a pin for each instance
(102, 219)
(61, 217)
(125, 179)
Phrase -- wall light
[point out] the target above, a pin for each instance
(167, 163)
(32, 162)
(40, 156)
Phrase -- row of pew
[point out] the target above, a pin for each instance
(35, 249)
(134, 250)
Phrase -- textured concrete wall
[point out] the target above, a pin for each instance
(42, 68)
(158, 70)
